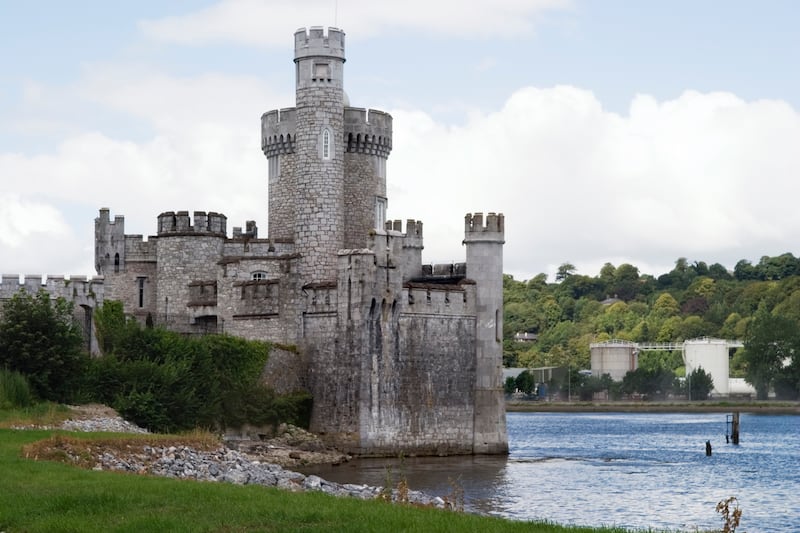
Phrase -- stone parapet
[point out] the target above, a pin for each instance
(179, 223)
(367, 131)
(279, 131)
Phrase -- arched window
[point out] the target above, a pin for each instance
(258, 276)
(326, 144)
(116, 263)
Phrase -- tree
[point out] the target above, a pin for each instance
(666, 305)
(525, 382)
(769, 342)
(744, 270)
(626, 282)
(510, 385)
(40, 339)
(564, 271)
(654, 383)
(699, 384)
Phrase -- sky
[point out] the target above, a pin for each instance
(604, 130)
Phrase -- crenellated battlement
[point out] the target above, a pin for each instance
(314, 41)
(474, 222)
(492, 229)
(250, 231)
(172, 223)
(278, 131)
(413, 227)
(444, 270)
(442, 300)
(367, 131)
(105, 219)
(78, 289)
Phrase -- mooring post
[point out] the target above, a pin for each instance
(735, 428)
(708, 448)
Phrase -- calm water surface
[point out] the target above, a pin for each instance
(632, 470)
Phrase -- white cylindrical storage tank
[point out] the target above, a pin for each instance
(712, 356)
(615, 358)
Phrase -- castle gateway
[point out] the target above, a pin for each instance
(399, 356)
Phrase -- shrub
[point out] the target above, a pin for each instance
(168, 382)
(14, 390)
(40, 339)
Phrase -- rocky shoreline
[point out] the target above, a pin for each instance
(248, 465)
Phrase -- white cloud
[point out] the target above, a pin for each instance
(707, 176)
(203, 153)
(265, 23)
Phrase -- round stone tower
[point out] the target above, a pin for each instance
(319, 151)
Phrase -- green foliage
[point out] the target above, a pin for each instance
(699, 384)
(40, 339)
(588, 386)
(525, 382)
(167, 382)
(692, 300)
(14, 390)
(652, 383)
(771, 341)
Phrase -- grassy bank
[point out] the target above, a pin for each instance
(656, 407)
(50, 496)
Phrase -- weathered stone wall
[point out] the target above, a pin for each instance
(259, 309)
(361, 187)
(484, 242)
(182, 260)
(278, 140)
(418, 388)
(285, 371)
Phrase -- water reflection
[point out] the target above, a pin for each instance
(479, 477)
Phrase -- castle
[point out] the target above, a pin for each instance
(398, 356)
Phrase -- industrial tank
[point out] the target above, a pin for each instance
(614, 357)
(712, 356)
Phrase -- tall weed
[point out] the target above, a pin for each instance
(14, 390)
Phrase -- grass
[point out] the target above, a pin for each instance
(50, 496)
(39, 414)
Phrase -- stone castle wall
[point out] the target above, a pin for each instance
(399, 356)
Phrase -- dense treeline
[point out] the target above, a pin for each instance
(692, 300)
(158, 379)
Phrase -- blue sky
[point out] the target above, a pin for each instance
(606, 131)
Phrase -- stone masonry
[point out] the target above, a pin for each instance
(400, 357)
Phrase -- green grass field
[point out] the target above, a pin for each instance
(49, 496)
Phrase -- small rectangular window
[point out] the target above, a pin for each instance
(140, 287)
(322, 72)
(380, 213)
(326, 144)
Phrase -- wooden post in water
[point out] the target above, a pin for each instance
(735, 428)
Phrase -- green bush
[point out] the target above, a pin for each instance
(14, 390)
(40, 339)
(168, 382)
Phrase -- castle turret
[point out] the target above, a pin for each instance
(319, 152)
(485, 266)
(109, 243)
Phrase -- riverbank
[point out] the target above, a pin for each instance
(710, 406)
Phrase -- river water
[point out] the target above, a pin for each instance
(635, 470)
